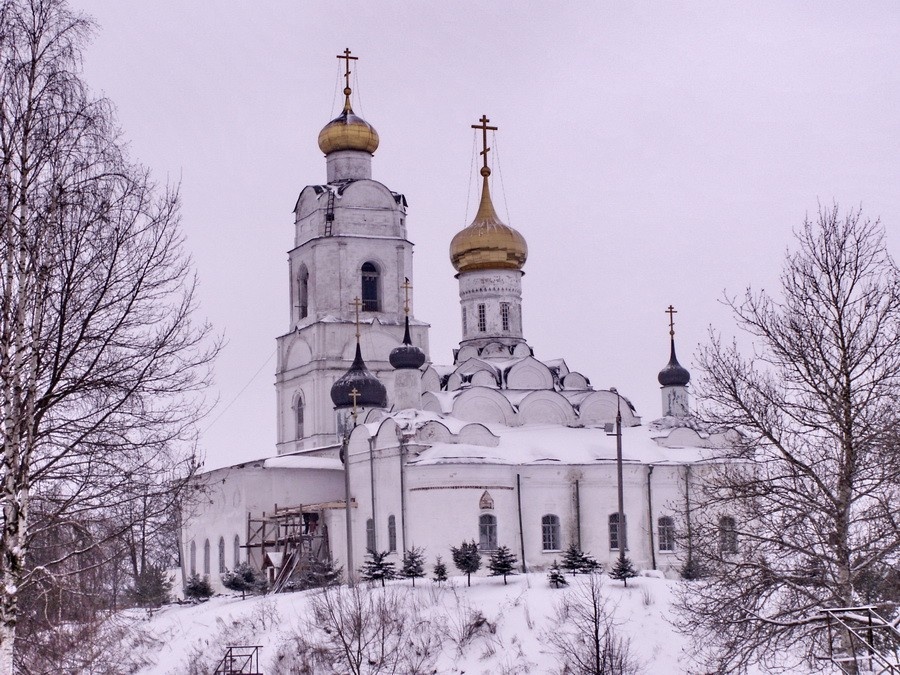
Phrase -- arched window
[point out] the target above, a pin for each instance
(193, 558)
(614, 531)
(298, 416)
(487, 532)
(370, 535)
(550, 532)
(666, 533)
(727, 535)
(206, 556)
(392, 534)
(221, 555)
(237, 550)
(370, 295)
(303, 292)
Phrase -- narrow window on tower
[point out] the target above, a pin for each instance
(298, 416)
(303, 292)
(504, 314)
(465, 322)
(482, 319)
(392, 534)
(370, 275)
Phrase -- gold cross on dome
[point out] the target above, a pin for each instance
(347, 59)
(671, 311)
(356, 304)
(485, 171)
(406, 286)
(354, 394)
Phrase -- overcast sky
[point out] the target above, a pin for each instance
(650, 153)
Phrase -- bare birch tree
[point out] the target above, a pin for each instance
(805, 512)
(101, 366)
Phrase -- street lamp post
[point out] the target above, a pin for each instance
(620, 526)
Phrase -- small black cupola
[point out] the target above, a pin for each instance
(370, 392)
(674, 374)
(407, 356)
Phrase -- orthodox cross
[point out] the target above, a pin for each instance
(354, 394)
(347, 59)
(485, 171)
(406, 286)
(671, 311)
(356, 304)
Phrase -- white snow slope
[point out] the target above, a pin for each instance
(516, 638)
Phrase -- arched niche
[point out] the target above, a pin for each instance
(387, 433)
(483, 378)
(529, 373)
(431, 381)
(466, 353)
(432, 403)
(480, 404)
(477, 434)
(600, 407)
(297, 353)
(521, 349)
(574, 381)
(546, 407)
(434, 432)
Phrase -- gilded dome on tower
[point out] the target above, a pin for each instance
(348, 131)
(488, 243)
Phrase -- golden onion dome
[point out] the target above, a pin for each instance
(348, 131)
(488, 244)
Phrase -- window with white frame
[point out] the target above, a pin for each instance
(487, 532)
(504, 314)
(482, 319)
(727, 535)
(615, 531)
(550, 532)
(665, 529)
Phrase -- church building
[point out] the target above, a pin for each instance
(381, 448)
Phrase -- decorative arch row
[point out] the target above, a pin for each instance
(207, 556)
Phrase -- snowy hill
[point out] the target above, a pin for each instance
(490, 628)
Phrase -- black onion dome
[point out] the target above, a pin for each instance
(674, 374)
(407, 356)
(371, 393)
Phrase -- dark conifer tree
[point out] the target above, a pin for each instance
(502, 563)
(556, 578)
(413, 564)
(440, 571)
(467, 559)
(623, 570)
(378, 568)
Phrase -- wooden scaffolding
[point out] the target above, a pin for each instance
(290, 539)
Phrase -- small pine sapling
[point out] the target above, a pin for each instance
(467, 559)
(623, 570)
(413, 564)
(572, 559)
(589, 564)
(197, 587)
(440, 571)
(244, 578)
(378, 568)
(502, 563)
(556, 578)
(318, 573)
(152, 587)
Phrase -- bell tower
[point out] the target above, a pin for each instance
(350, 243)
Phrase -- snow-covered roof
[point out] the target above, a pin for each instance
(303, 462)
(539, 444)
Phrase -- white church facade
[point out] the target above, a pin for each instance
(380, 448)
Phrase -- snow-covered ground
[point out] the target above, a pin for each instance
(490, 628)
